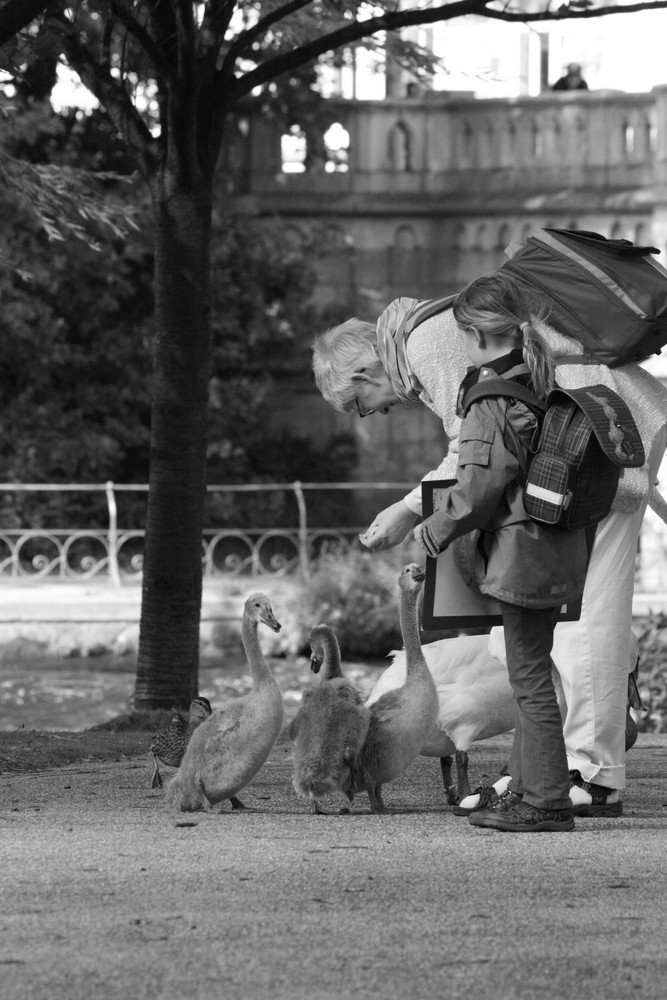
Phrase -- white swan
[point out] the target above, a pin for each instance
(475, 700)
(228, 749)
(402, 719)
(330, 727)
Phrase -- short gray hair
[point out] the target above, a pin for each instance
(338, 354)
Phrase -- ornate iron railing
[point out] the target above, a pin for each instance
(116, 554)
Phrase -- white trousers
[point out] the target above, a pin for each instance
(592, 655)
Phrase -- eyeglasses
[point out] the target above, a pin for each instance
(362, 413)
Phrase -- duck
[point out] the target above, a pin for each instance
(168, 744)
(329, 729)
(403, 719)
(228, 749)
(475, 702)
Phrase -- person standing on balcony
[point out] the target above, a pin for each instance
(571, 79)
(370, 368)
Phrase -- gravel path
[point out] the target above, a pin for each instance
(107, 896)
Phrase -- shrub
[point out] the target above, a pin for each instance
(356, 593)
(651, 632)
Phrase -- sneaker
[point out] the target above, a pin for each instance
(487, 817)
(519, 817)
(589, 799)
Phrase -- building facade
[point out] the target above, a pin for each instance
(421, 194)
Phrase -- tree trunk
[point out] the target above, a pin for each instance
(168, 664)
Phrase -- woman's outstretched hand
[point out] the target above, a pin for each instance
(390, 527)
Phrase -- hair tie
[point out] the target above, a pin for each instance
(524, 326)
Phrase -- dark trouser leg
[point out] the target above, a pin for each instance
(540, 768)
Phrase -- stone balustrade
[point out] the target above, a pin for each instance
(443, 145)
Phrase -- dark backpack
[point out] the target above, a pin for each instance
(610, 295)
(586, 437)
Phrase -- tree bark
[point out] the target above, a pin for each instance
(168, 662)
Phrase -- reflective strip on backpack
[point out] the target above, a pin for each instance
(539, 493)
(597, 272)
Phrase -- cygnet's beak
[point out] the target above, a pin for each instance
(270, 619)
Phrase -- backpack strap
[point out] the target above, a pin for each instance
(502, 387)
(425, 309)
(611, 422)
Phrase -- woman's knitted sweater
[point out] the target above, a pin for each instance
(437, 360)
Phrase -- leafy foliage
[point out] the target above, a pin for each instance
(66, 201)
(356, 593)
(75, 374)
(652, 635)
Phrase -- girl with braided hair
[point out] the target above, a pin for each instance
(531, 569)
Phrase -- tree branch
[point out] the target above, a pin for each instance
(109, 92)
(567, 13)
(17, 14)
(246, 38)
(141, 36)
(392, 20)
(353, 32)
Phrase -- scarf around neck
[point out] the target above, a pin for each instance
(391, 345)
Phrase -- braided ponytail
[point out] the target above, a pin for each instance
(538, 357)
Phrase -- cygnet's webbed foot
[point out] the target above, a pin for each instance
(451, 795)
(375, 796)
(317, 810)
(236, 803)
(156, 781)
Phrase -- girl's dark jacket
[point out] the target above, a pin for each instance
(506, 554)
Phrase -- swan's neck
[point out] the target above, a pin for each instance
(259, 670)
(414, 657)
(332, 667)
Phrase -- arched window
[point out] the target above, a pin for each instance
(405, 238)
(467, 136)
(399, 147)
(536, 140)
(628, 138)
(293, 149)
(481, 237)
(460, 237)
(337, 145)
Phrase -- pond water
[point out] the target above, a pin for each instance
(74, 694)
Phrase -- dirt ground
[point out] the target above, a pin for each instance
(22, 751)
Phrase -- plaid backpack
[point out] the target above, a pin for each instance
(586, 437)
